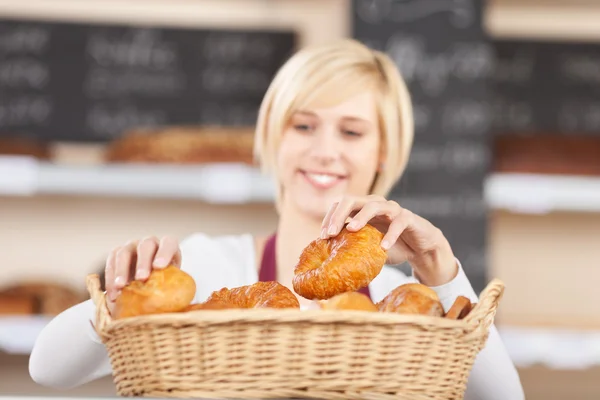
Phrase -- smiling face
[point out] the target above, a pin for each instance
(329, 151)
(332, 114)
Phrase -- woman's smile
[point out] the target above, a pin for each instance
(322, 180)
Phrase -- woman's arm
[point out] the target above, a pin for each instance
(409, 237)
(68, 352)
(494, 376)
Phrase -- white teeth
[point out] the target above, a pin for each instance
(322, 179)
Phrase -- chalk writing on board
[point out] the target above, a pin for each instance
(26, 73)
(100, 82)
(25, 110)
(517, 69)
(455, 158)
(142, 48)
(575, 116)
(433, 70)
(24, 39)
(461, 13)
(233, 114)
(135, 62)
(422, 116)
(94, 82)
(445, 205)
(466, 117)
(512, 115)
(225, 80)
(231, 48)
(110, 121)
(581, 68)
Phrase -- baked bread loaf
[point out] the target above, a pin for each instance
(258, 295)
(23, 146)
(461, 308)
(166, 290)
(44, 298)
(412, 298)
(183, 145)
(349, 301)
(344, 263)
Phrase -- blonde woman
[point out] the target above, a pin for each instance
(335, 130)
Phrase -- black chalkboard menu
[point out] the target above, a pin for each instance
(546, 87)
(83, 82)
(446, 60)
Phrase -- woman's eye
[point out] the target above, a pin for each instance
(352, 133)
(302, 127)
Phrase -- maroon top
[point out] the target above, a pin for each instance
(268, 265)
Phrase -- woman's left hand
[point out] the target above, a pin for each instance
(407, 236)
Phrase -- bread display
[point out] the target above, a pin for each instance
(22, 146)
(38, 298)
(344, 263)
(183, 145)
(330, 271)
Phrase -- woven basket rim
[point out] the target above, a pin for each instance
(483, 311)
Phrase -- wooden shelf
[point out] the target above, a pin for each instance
(213, 183)
(242, 184)
(540, 194)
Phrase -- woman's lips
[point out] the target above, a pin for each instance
(322, 180)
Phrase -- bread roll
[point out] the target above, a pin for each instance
(166, 290)
(412, 298)
(349, 301)
(461, 308)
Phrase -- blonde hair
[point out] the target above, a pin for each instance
(328, 74)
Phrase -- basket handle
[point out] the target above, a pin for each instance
(99, 298)
(482, 315)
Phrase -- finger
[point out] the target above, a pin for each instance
(373, 209)
(123, 262)
(327, 219)
(109, 276)
(341, 212)
(345, 210)
(168, 253)
(399, 224)
(146, 249)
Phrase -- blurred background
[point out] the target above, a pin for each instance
(126, 118)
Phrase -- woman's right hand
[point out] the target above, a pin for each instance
(135, 260)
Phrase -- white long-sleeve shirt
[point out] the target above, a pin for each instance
(69, 353)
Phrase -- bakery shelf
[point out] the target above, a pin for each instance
(540, 194)
(18, 333)
(214, 183)
(240, 183)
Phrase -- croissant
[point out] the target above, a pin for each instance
(343, 263)
(258, 295)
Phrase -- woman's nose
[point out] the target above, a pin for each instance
(325, 147)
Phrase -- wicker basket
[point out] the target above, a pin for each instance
(260, 353)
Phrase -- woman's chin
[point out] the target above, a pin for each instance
(315, 207)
